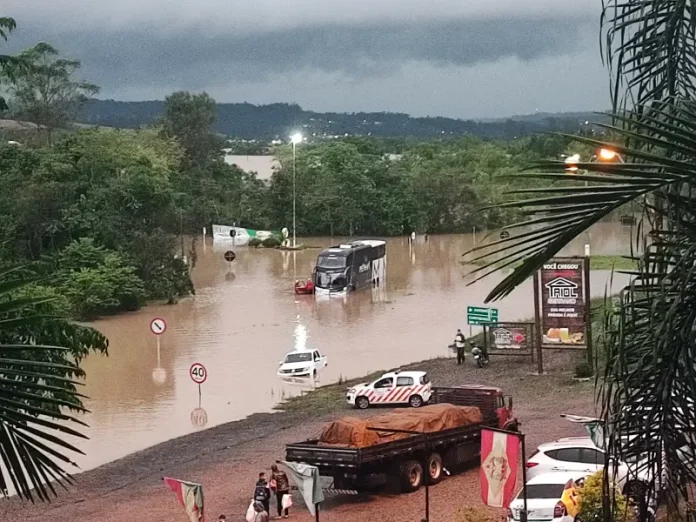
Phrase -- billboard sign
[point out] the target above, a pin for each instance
(563, 303)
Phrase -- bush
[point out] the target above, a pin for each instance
(97, 281)
(271, 242)
(165, 276)
(83, 253)
(255, 242)
(583, 370)
(590, 497)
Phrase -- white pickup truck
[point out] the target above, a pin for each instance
(304, 363)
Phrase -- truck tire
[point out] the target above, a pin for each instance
(435, 468)
(411, 476)
(415, 401)
(362, 402)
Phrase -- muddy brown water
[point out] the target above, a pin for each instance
(245, 317)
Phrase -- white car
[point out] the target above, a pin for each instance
(301, 363)
(579, 455)
(545, 498)
(412, 388)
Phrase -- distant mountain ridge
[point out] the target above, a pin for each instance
(265, 122)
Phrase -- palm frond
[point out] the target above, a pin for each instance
(648, 383)
(37, 382)
(610, 186)
(649, 47)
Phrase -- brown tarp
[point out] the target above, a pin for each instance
(351, 432)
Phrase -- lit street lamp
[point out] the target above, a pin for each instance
(295, 139)
(603, 155)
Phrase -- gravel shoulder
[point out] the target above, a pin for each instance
(226, 459)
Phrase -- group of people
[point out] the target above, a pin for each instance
(279, 485)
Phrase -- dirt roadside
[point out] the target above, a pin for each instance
(226, 459)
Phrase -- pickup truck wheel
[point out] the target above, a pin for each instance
(435, 468)
(362, 403)
(415, 401)
(411, 476)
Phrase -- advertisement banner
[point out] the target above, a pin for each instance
(510, 336)
(563, 303)
(499, 455)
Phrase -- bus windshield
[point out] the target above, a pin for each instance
(331, 281)
(331, 262)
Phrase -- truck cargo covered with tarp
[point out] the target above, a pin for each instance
(351, 432)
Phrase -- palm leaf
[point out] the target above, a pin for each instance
(648, 381)
(36, 384)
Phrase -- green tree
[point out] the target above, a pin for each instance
(97, 281)
(7, 25)
(39, 371)
(648, 377)
(44, 91)
(189, 118)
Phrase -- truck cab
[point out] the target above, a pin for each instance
(490, 400)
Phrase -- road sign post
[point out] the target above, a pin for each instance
(158, 326)
(478, 315)
(199, 375)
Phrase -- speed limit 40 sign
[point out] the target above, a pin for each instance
(198, 373)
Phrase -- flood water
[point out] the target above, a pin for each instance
(245, 317)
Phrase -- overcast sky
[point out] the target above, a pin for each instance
(455, 58)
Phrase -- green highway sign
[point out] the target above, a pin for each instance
(481, 315)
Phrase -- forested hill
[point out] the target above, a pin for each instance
(244, 120)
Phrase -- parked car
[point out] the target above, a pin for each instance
(412, 388)
(579, 455)
(301, 363)
(550, 497)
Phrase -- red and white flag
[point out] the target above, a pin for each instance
(190, 496)
(499, 453)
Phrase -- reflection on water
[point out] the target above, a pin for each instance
(245, 317)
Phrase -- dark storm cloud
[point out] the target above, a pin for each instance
(196, 60)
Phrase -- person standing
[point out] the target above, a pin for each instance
(262, 492)
(282, 488)
(460, 343)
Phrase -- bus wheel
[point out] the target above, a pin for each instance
(435, 468)
(362, 403)
(415, 401)
(411, 476)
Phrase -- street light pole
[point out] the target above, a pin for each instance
(295, 139)
(294, 175)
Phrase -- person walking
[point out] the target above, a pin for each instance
(262, 492)
(282, 488)
(460, 343)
